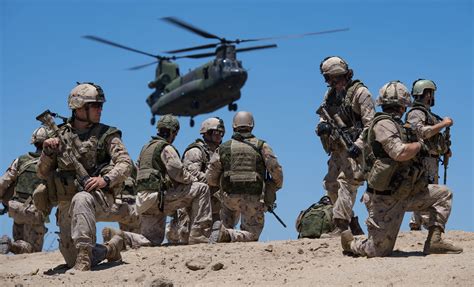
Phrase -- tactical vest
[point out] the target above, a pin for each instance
(202, 146)
(343, 107)
(243, 165)
(436, 144)
(386, 175)
(27, 180)
(151, 169)
(93, 156)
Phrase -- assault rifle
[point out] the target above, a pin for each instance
(447, 137)
(337, 125)
(269, 200)
(69, 152)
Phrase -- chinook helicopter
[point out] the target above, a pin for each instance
(205, 89)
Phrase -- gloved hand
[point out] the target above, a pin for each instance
(354, 151)
(323, 129)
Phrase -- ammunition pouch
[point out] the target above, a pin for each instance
(409, 180)
(150, 179)
(381, 173)
(243, 182)
(66, 186)
(24, 213)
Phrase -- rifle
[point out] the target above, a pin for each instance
(70, 155)
(337, 125)
(447, 137)
(270, 209)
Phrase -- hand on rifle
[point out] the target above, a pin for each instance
(323, 129)
(354, 151)
(51, 146)
(95, 183)
(447, 122)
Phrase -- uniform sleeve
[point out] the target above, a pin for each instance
(272, 165)
(174, 166)
(8, 177)
(417, 120)
(215, 170)
(122, 163)
(46, 165)
(363, 105)
(193, 161)
(387, 134)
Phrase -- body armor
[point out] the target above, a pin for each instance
(151, 169)
(27, 180)
(202, 146)
(243, 165)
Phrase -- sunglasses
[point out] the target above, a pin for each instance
(95, 105)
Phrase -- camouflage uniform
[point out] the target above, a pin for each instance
(356, 109)
(386, 210)
(180, 191)
(195, 159)
(78, 212)
(28, 223)
(422, 119)
(243, 203)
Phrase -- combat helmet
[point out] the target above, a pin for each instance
(212, 124)
(169, 122)
(243, 120)
(394, 93)
(39, 135)
(420, 85)
(333, 66)
(85, 93)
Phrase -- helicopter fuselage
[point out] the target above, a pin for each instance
(202, 90)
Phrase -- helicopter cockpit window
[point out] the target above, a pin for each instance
(206, 72)
(177, 72)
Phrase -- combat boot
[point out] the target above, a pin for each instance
(434, 244)
(219, 233)
(83, 259)
(341, 225)
(5, 244)
(355, 226)
(114, 247)
(108, 233)
(346, 239)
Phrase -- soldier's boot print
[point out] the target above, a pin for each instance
(219, 233)
(341, 225)
(434, 244)
(346, 240)
(108, 233)
(83, 259)
(5, 244)
(355, 226)
(20, 247)
(114, 247)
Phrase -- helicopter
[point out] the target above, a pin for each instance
(204, 89)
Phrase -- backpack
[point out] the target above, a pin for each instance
(315, 220)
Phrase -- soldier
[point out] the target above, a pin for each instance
(428, 127)
(28, 222)
(81, 205)
(396, 183)
(350, 103)
(164, 186)
(240, 167)
(196, 159)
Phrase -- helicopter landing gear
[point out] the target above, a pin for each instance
(232, 107)
(191, 122)
(153, 120)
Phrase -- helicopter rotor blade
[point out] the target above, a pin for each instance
(107, 42)
(256, 48)
(293, 35)
(198, 56)
(208, 46)
(189, 27)
(142, 66)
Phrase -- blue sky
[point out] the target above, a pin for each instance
(43, 55)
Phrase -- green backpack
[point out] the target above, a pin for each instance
(315, 220)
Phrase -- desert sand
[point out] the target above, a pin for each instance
(306, 262)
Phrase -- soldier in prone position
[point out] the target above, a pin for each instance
(396, 183)
(28, 222)
(82, 204)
